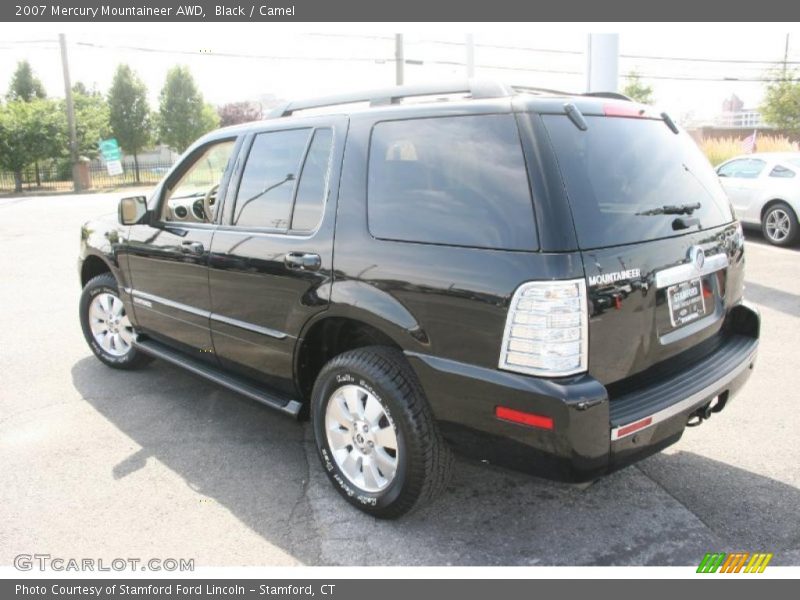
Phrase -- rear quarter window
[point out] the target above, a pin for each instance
(457, 181)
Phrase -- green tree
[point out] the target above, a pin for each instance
(183, 115)
(30, 132)
(92, 119)
(781, 104)
(24, 84)
(636, 90)
(129, 114)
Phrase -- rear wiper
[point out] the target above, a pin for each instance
(672, 209)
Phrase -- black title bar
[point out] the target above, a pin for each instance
(396, 10)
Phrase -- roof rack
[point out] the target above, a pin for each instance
(540, 90)
(477, 89)
(613, 95)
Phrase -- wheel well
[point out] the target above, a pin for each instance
(331, 337)
(772, 203)
(92, 267)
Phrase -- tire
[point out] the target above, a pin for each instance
(96, 314)
(779, 225)
(422, 461)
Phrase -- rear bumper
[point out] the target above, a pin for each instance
(591, 435)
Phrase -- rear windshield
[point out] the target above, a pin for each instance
(621, 171)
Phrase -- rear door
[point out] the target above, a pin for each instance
(743, 180)
(661, 254)
(273, 253)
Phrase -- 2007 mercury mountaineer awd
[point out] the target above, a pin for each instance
(547, 281)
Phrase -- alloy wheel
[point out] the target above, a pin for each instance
(111, 328)
(778, 225)
(361, 437)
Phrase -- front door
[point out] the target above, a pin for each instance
(272, 254)
(168, 257)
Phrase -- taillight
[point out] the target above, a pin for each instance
(546, 330)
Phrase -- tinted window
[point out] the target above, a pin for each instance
(313, 186)
(620, 169)
(450, 180)
(745, 168)
(780, 171)
(267, 187)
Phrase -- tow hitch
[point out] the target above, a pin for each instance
(704, 412)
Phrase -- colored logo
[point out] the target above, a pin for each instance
(737, 562)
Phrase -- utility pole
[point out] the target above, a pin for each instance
(470, 47)
(399, 58)
(602, 60)
(785, 56)
(73, 138)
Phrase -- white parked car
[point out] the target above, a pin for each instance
(764, 189)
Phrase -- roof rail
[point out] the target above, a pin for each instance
(540, 90)
(613, 95)
(477, 89)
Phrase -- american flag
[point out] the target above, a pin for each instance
(749, 144)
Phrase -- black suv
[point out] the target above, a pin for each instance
(547, 281)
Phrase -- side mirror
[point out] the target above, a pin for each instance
(132, 210)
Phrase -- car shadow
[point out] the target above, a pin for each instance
(756, 236)
(262, 467)
(779, 300)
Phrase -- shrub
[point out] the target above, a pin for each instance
(718, 150)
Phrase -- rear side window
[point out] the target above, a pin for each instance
(450, 180)
(779, 171)
(313, 186)
(621, 172)
(268, 181)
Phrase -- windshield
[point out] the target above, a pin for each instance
(630, 180)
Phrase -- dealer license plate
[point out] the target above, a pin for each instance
(686, 303)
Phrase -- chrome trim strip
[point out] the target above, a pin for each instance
(145, 297)
(170, 303)
(686, 271)
(689, 402)
(249, 326)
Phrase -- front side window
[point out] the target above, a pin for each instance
(268, 182)
(458, 181)
(745, 168)
(193, 196)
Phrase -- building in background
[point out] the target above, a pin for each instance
(736, 116)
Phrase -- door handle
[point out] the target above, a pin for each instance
(192, 247)
(302, 261)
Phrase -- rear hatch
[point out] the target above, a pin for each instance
(661, 249)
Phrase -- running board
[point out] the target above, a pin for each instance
(158, 350)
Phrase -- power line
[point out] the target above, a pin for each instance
(227, 54)
(382, 60)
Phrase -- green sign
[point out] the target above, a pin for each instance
(109, 149)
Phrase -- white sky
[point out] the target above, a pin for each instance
(311, 54)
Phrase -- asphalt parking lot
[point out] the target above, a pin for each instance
(159, 463)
